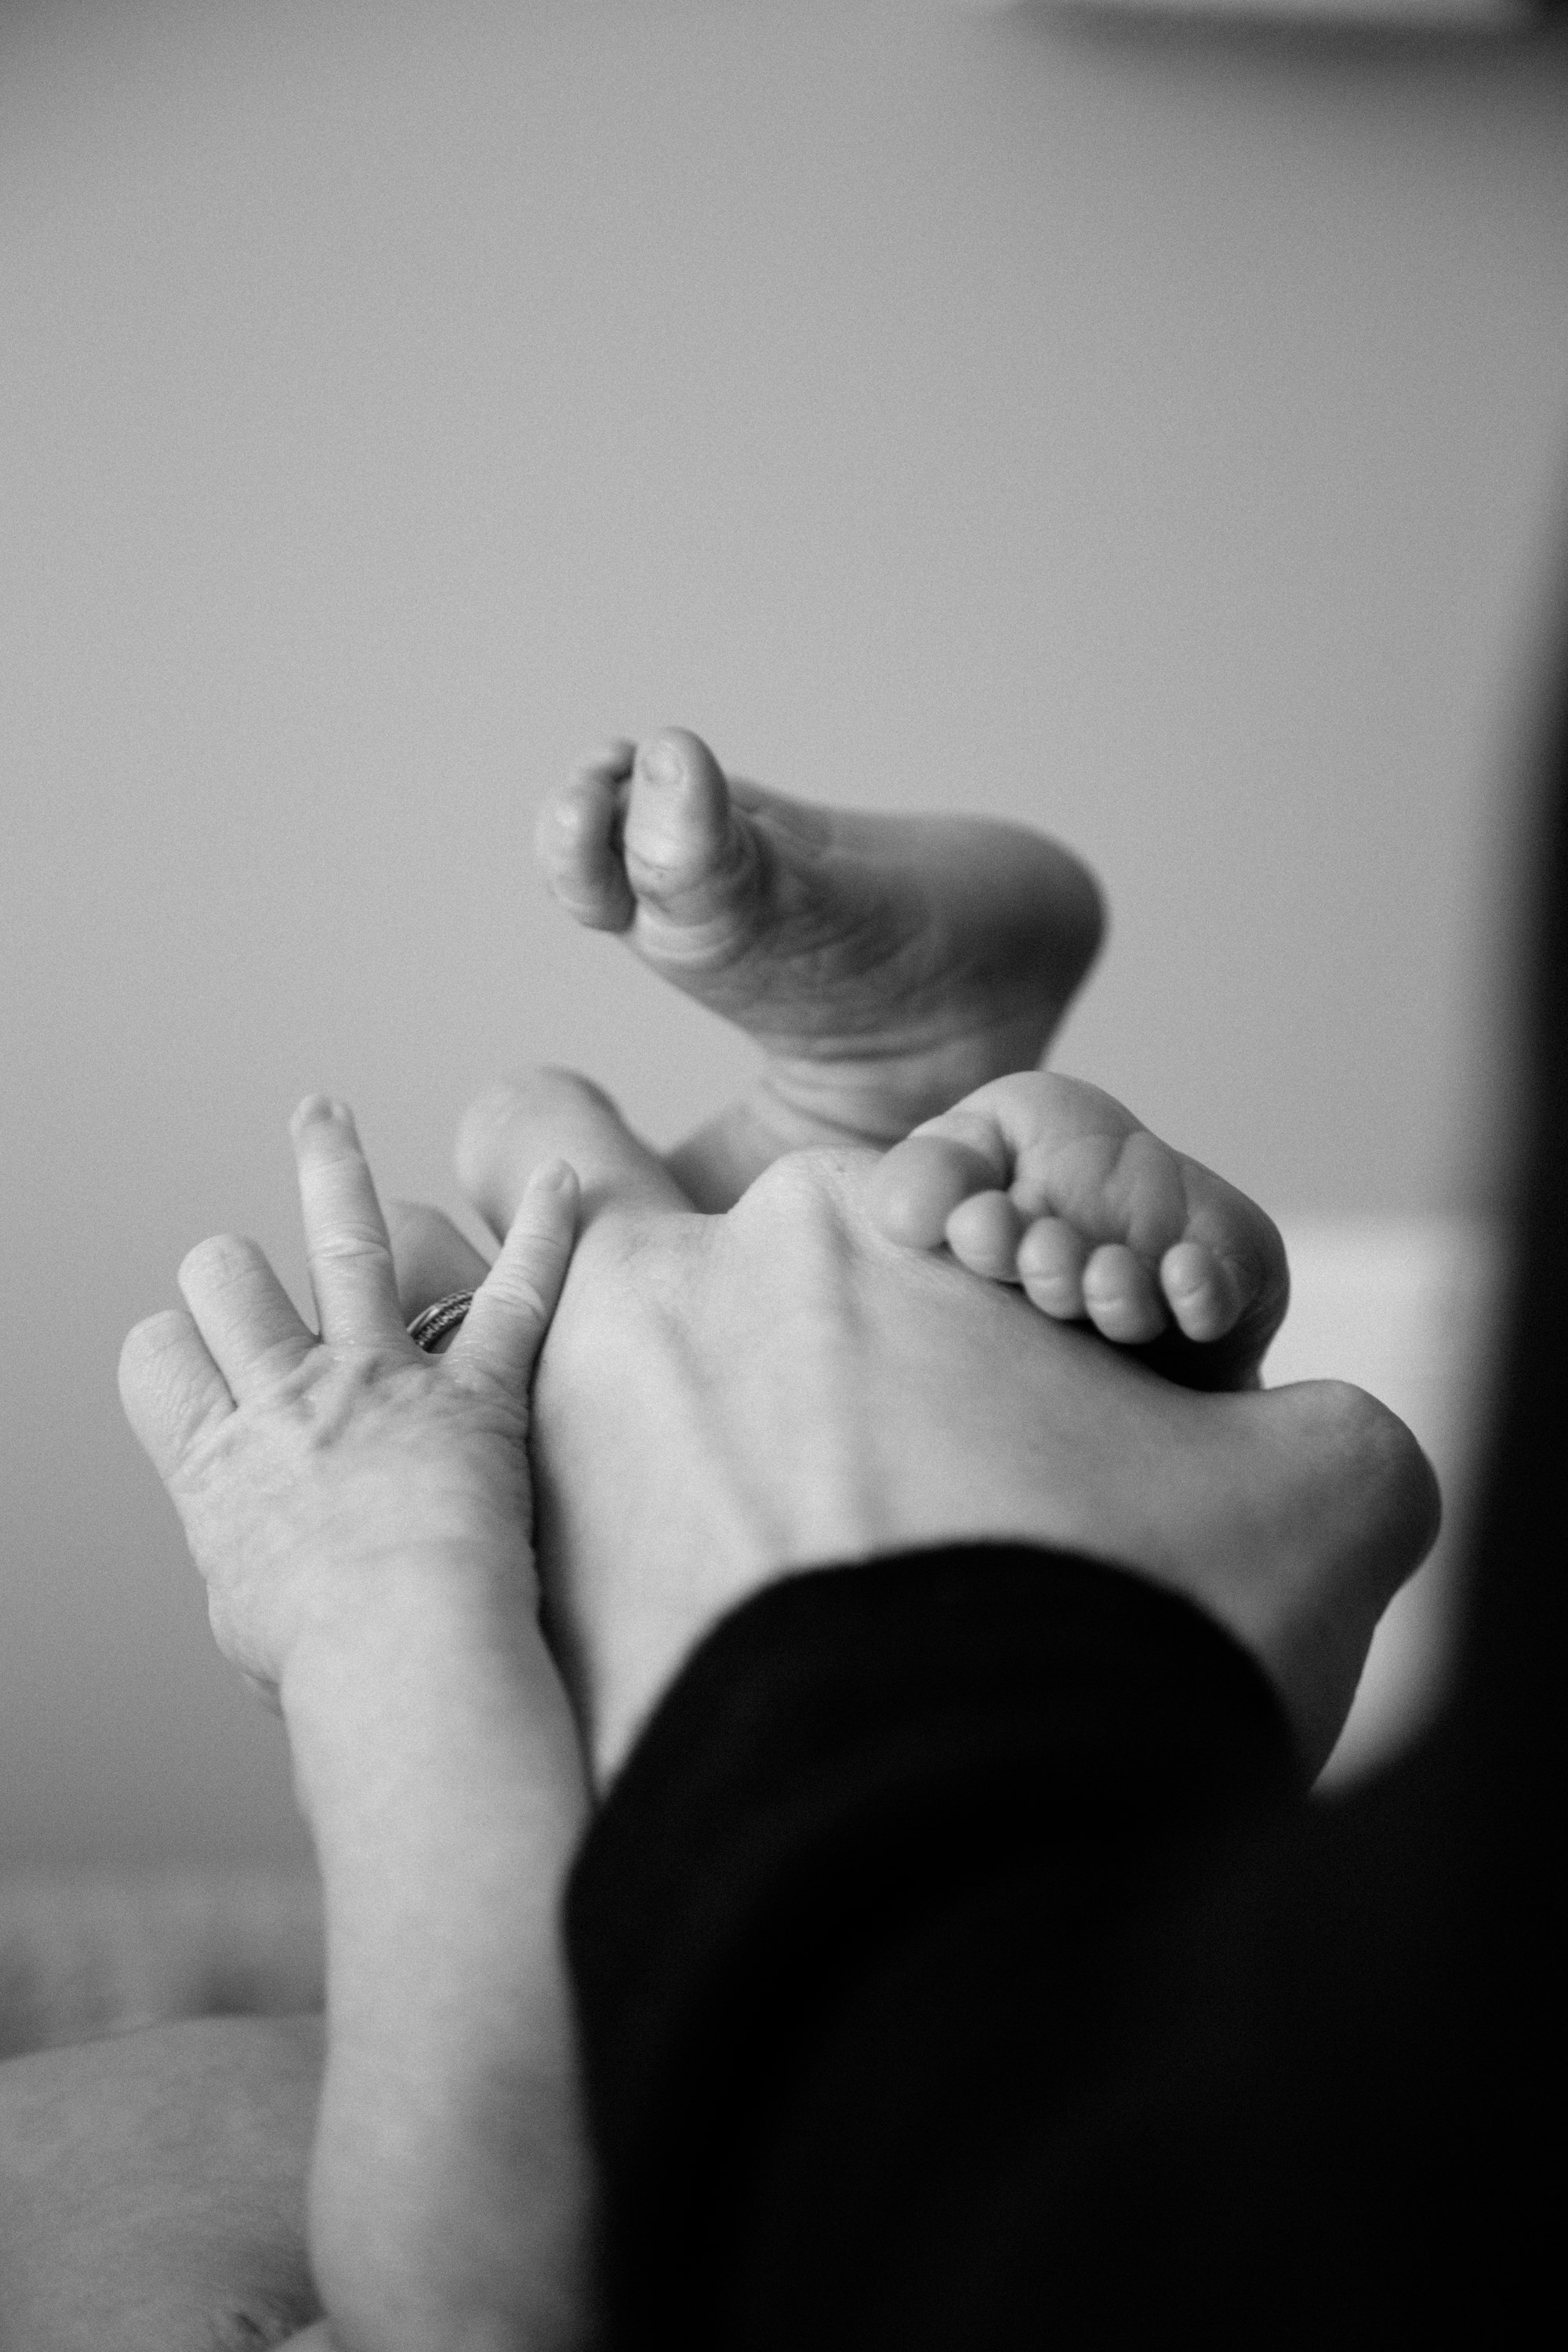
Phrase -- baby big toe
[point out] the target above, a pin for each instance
(681, 835)
(984, 1234)
(1119, 1296)
(917, 1189)
(1202, 1291)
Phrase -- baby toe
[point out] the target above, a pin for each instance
(683, 844)
(984, 1233)
(915, 1191)
(1119, 1296)
(1200, 1291)
(1050, 1262)
(578, 848)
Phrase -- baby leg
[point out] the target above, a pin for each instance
(1050, 1183)
(152, 2190)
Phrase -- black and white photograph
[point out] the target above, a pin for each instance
(784, 1101)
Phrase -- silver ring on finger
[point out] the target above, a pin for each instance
(433, 1323)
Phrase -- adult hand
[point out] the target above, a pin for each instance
(722, 1399)
(309, 1470)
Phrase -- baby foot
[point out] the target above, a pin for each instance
(1048, 1182)
(885, 964)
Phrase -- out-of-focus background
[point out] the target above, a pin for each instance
(1154, 432)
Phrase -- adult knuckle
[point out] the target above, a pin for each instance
(801, 1184)
(519, 1290)
(1371, 1442)
(1355, 1419)
(1398, 1480)
(810, 1203)
(350, 1246)
(614, 1249)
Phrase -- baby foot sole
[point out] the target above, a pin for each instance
(886, 965)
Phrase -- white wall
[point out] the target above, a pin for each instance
(1157, 434)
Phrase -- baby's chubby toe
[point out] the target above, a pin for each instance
(1204, 1296)
(685, 850)
(577, 843)
(645, 836)
(984, 1234)
(1066, 1274)
(1121, 1297)
(926, 1180)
